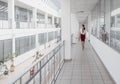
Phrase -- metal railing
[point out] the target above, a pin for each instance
(45, 70)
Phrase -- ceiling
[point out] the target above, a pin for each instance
(82, 8)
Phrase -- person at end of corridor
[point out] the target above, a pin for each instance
(82, 36)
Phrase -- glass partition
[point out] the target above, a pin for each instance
(99, 15)
(24, 44)
(40, 20)
(42, 38)
(115, 25)
(5, 49)
(23, 18)
(3, 15)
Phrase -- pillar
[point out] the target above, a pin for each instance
(89, 26)
(53, 25)
(35, 26)
(11, 21)
(11, 16)
(35, 17)
(66, 27)
(108, 18)
(46, 20)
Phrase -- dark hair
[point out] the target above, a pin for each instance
(83, 26)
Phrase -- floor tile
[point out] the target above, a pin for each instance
(85, 68)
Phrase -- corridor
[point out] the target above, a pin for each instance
(85, 68)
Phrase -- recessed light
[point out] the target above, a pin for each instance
(80, 11)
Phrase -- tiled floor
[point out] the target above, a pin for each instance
(85, 68)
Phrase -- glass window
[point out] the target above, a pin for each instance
(40, 18)
(33, 41)
(100, 28)
(1, 50)
(49, 20)
(3, 15)
(41, 38)
(17, 46)
(7, 48)
(21, 14)
(3, 11)
(21, 45)
(23, 17)
(56, 34)
(50, 36)
(45, 37)
(115, 25)
(24, 44)
(59, 36)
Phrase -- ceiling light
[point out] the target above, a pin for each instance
(80, 11)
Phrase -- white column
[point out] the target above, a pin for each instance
(46, 20)
(98, 26)
(37, 43)
(35, 17)
(89, 26)
(35, 26)
(11, 21)
(107, 18)
(53, 22)
(66, 27)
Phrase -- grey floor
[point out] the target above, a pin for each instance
(85, 68)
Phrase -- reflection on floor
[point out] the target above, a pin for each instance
(85, 68)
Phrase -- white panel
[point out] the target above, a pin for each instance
(74, 28)
(109, 57)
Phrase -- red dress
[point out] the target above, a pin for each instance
(82, 37)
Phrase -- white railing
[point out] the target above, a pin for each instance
(45, 70)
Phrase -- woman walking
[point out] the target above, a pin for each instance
(82, 35)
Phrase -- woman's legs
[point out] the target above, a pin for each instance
(83, 42)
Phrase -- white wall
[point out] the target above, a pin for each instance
(109, 57)
(74, 28)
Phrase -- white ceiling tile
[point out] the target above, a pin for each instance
(82, 5)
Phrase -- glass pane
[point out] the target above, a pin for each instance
(17, 45)
(21, 45)
(1, 50)
(115, 25)
(23, 17)
(33, 41)
(7, 49)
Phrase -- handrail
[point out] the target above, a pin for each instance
(19, 76)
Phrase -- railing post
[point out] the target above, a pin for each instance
(64, 49)
(40, 73)
(54, 67)
(58, 49)
(59, 57)
(20, 81)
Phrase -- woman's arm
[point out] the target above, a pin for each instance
(79, 36)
